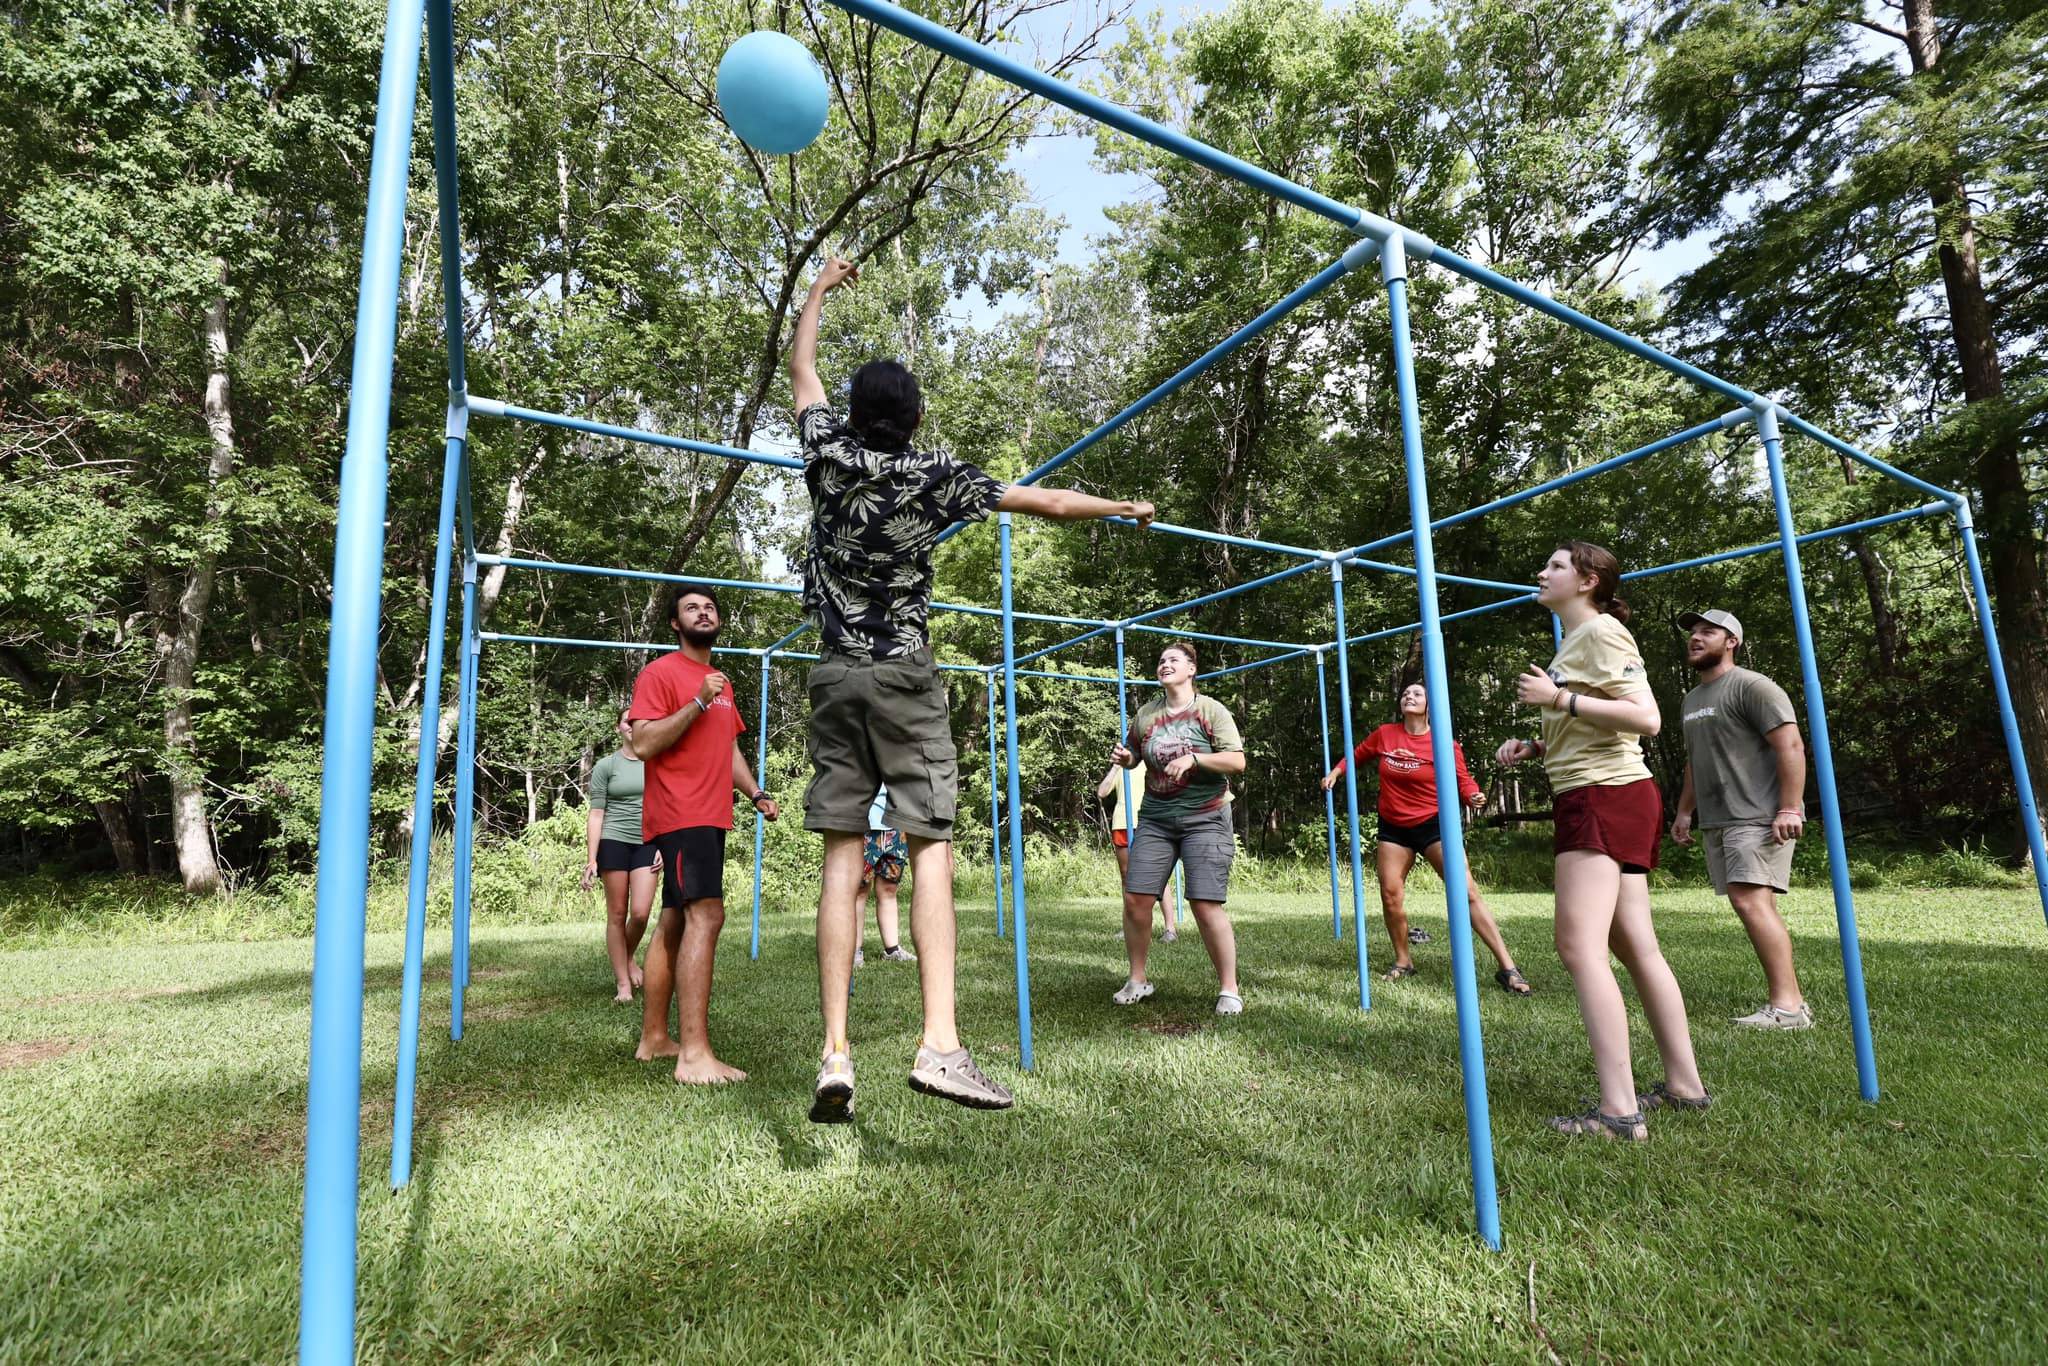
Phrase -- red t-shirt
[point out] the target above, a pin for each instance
(1408, 773)
(690, 782)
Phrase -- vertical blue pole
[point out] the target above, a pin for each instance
(2015, 750)
(1329, 799)
(1471, 1053)
(1823, 756)
(1019, 921)
(995, 803)
(423, 814)
(760, 821)
(1351, 788)
(1123, 730)
(465, 804)
(334, 1083)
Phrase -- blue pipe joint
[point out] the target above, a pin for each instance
(1392, 236)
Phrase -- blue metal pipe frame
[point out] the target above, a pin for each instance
(1020, 920)
(1443, 751)
(327, 1250)
(327, 1271)
(995, 802)
(1329, 798)
(1351, 789)
(761, 777)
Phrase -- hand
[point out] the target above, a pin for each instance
(1141, 513)
(1535, 688)
(1121, 757)
(589, 875)
(837, 272)
(1181, 767)
(1788, 826)
(1329, 782)
(768, 808)
(1477, 801)
(1681, 828)
(714, 684)
(1512, 752)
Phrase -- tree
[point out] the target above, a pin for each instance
(1873, 173)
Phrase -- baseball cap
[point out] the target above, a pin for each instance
(1713, 616)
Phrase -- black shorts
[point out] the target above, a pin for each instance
(692, 864)
(617, 856)
(1416, 837)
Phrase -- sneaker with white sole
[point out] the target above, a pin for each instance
(1768, 1016)
(832, 1097)
(953, 1076)
(1130, 993)
(896, 953)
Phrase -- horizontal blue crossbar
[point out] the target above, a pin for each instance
(606, 572)
(1861, 457)
(1224, 640)
(1261, 663)
(1769, 547)
(1612, 462)
(1154, 615)
(491, 407)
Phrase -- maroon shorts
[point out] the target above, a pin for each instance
(1625, 823)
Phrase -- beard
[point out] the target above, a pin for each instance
(1702, 663)
(698, 638)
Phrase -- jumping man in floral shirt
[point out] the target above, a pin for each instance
(878, 706)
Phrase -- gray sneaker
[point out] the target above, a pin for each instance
(896, 953)
(953, 1076)
(832, 1097)
(1768, 1016)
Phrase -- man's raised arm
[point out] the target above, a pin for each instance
(804, 385)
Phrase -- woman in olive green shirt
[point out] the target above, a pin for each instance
(617, 854)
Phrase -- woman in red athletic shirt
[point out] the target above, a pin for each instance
(1409, 826)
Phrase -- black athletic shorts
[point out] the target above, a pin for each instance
(692, 864)
(1416, 837)
(617, 856)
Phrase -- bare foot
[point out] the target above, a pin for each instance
(639, 981)
(625, 993)
(706, 1071)
(658, 1048)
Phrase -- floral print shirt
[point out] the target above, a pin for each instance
(875, 515)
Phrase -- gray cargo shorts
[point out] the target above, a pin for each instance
(1203, 844)
(876, 722)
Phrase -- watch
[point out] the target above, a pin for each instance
(764, 795)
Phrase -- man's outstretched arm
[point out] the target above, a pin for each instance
(805, 387)
(1065, 505)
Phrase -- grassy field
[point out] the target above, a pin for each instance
(1291, 1184)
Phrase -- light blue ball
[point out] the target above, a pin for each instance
(772, 93)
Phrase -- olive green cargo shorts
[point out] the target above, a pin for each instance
(877, 722)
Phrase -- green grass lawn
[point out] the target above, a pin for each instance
(1289, 1184)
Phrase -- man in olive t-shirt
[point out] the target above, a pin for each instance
(1745, 775)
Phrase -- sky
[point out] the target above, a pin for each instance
(1063, 181)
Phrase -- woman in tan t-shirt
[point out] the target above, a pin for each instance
(1596, 703)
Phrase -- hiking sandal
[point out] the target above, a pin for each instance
(1513, 983)
(1400, 970)
(1229, 1003)
(1659, 1097)
(1593, 1123)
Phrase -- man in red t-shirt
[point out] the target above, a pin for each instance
(686, 729)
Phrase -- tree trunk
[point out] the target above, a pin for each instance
(181, 622)
(128, 857)
(2006, 522)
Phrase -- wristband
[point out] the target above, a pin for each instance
(1791, 811)
(762, 796)
(702, 710)
(1574, 704)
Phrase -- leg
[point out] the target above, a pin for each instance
(933, 932)
(1148, 871)
(1758, 907)
(1219, 938)
(641, 884)
(1169, 906)
(1634, 940)
(661, 969)
(1483, 923)
(615, 945)
(839, 918)
(695, 1062)
(885, 912)
(1394, 861)
(1588, 887)
(1137, 932)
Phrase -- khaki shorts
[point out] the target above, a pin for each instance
(1747, 853)
(877, 721)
